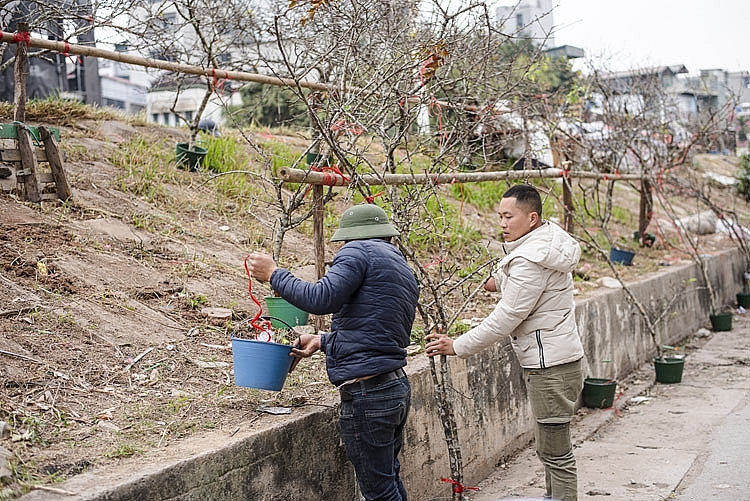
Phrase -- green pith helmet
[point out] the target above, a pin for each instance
(364, 221)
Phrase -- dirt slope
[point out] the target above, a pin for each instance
(105, 353)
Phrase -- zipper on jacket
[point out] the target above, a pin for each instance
(541, 349)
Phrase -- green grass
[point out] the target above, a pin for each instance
(483, 195)
(122, 450)
(441, 227)
(144, 162)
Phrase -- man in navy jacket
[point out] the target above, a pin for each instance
(372, 294)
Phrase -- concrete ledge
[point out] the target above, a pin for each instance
(302, 458)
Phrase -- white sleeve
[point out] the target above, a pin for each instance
(520, 294)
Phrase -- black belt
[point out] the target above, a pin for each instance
(367, 384)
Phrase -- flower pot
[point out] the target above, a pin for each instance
(314, 158)
(599, 393)
(669, 369)
(648, 240)
(721, 321)
(189, 159)
(283, 314)
(743, 299)
(621, 256)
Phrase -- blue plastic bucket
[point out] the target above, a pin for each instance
(621, 256)
(261, 365)
(283, 314)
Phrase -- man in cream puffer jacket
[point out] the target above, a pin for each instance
(537, 311)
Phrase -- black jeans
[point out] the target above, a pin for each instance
(372, 419)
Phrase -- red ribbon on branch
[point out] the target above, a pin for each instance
(23, 36)
(458, 487)
(371, 199)
(435, 261)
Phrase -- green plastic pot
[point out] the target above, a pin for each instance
(313, 158)
(743, 299)
(721, 321)
(599, 393)
(283, 314)
(669, 369)
(189, 159)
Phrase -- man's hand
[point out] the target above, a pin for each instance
(439, 344)
(261, 266)
(306, 345)
(490, 285)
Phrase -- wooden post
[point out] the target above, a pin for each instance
(645, 210)
(567, 204)
(27, 176)
(19, 76)
(55, 163)
(319, 244)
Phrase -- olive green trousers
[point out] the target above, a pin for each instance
(553, 393)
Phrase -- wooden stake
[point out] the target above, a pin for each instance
(19, 76)
(568, 209)
(319, 243)
(27, 176)
(55, 163)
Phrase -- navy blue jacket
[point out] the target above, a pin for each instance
(372, 294)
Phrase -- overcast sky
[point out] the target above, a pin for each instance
(626, 34)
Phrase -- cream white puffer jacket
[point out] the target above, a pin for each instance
(536, 308)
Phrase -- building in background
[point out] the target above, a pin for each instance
(52, 73)
(528, 19)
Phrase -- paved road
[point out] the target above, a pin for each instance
(685, 441)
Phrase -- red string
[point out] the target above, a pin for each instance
(332, 176)
(23, 36)
(458, 487)
(371, 199)
(67, 49)
(614, 404)
(263, 325)
(435, 261)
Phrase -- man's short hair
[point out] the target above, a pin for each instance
(527, 196)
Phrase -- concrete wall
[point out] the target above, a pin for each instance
(303, 459)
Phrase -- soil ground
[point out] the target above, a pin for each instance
(106, 348)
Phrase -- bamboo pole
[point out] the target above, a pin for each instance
(84, 50)
(241, 76)
(290, 175)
